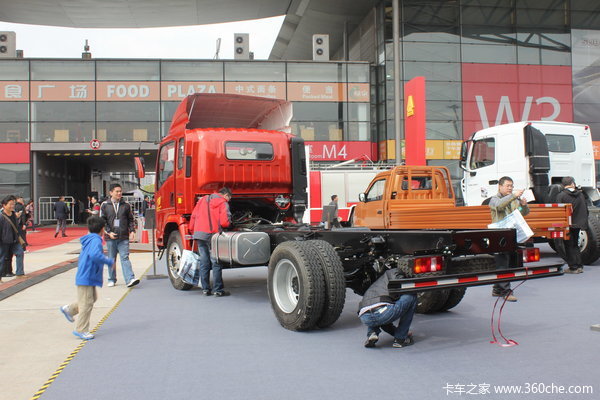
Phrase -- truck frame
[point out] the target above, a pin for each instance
(239, 141)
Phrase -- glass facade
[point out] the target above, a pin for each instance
(69, 101)
(485, 63)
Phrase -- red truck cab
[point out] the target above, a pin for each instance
(234, 141)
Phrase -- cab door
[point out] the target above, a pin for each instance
(481, 175)
(165, 183)
(370, 211)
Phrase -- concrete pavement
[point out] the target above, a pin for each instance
(35, 337)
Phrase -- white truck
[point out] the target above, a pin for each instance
(536, 155)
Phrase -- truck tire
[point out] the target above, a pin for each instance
(589, 241)
(296, 286)
(335, 283)
(431, 301)
(454, 297)
(174, 250)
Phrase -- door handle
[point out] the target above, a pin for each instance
(379, 212)
(172, 199)
(493, 182)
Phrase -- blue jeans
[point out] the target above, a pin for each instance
(206, 264)
(403, 309)
(120, 246)
(17, 251)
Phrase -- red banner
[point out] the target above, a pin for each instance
(495, 94)
(14, 153)
(414, 121)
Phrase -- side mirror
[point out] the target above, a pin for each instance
(140, 167)
(362, 197)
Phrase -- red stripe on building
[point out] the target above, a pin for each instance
(14, 153)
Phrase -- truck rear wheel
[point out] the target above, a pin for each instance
(335, 283)
(589, 241)
(431, 301)
(454, 297)
(296, 286)
(174, 250)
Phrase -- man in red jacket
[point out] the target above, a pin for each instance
(211, 214)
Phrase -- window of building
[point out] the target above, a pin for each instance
(316, 72)
(14, 111)
(63, 70)
(14, 132)
(129, 131)
(424, 51)
(14, 179)
(127, 110)
(191, 71)
(432, 71)
(62, 111)
(358, 73)
(62, 132)
(12, 70)
(318, 111)
(254, 71)
(127, 70)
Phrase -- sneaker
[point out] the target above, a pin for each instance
(111, 284)
(372, 340)
(207, 292)
(510, 297)
(64, 235)
(572, 270)
(55, 235)
(8, 275)
(580, 270)
(398, 343)
(222, 293)
(133, 282)
(65, 310)
(83, 335)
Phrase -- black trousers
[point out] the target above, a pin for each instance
(502, 262)
(573, 258)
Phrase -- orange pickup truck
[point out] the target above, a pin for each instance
(422, 197)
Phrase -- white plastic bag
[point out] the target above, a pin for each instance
(189, 267)
(516, 221)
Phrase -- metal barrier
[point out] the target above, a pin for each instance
(46, 209)
(136, 204)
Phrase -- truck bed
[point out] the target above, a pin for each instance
(542, 219)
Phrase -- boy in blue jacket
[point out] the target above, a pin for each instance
(89, 275)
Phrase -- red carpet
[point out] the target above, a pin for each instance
(45, 237)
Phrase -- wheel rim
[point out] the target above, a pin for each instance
(583, 239)
(173, 259)
(286, 285)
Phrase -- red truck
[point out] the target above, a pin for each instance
(237, 141)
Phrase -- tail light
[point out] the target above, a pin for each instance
(530, 254)
(557, 234)
(428, 264)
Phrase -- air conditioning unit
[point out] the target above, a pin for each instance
(241, 46)
(8, 45)
(320, 47)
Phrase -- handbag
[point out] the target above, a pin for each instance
(189, 267)
(515, 220)
(22, 241)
